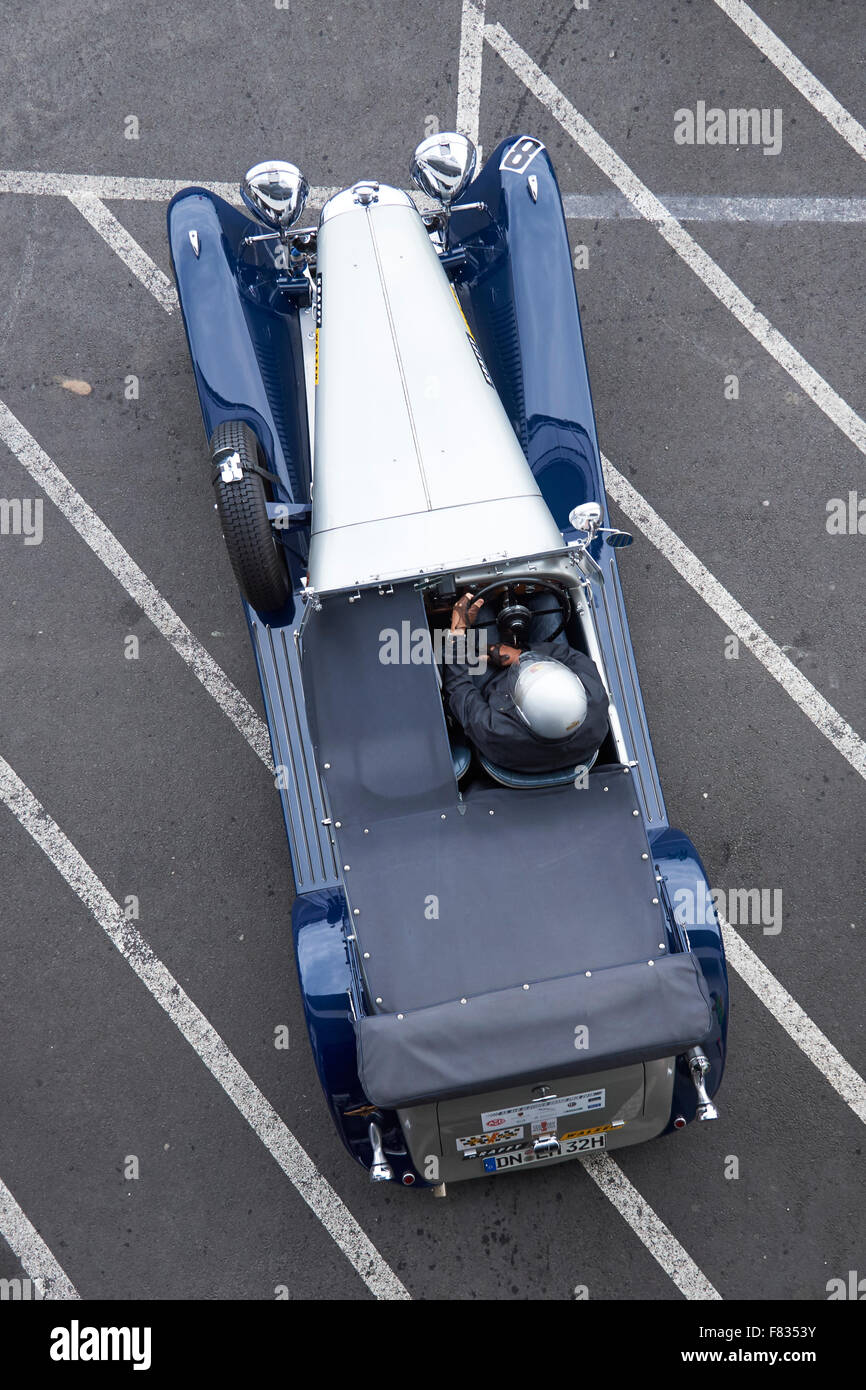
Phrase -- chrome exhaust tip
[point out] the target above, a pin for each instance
(699, 1066)
(381, 1171)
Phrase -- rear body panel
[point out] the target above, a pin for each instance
(495, 1132)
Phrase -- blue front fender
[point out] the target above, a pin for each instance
(520, 283)
(245, 346)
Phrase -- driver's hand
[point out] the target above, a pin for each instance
(503, 655)
(464, 613)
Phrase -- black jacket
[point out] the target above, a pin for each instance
(493, 725)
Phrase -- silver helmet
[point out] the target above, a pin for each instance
(550, 699)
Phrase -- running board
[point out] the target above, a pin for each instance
(304, 810)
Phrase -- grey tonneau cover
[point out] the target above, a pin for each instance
(630, 1013)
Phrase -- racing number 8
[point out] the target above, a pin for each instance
(520, 154)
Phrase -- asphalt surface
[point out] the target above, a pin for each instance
(166, 801)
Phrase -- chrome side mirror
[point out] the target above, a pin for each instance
(275, 192)
(443, 165)
(586, 517)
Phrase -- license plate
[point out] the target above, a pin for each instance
(501, 1162)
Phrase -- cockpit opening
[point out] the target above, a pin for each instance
(524, 701)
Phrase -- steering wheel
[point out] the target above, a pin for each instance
(528, 586)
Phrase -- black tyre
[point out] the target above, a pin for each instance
(256, 554)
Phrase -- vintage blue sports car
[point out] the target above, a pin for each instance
(398, 412)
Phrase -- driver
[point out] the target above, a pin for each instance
(536, 711)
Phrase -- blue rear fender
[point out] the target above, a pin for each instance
(681, 871)
(319, 925)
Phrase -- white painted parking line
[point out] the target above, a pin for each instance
(686, 207)
(814, 1044)
(107, 548)
(259, 1114)
(48, 1278)
(826, 719)
(126, 247)
(789, 65)
(123, 187)
(695, 257)
(469, 70)
(711, 207)
(659, 1241)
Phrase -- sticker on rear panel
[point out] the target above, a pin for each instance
(545, 1126)
(483, 1141)
(596, 1129)
(492, 1120)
